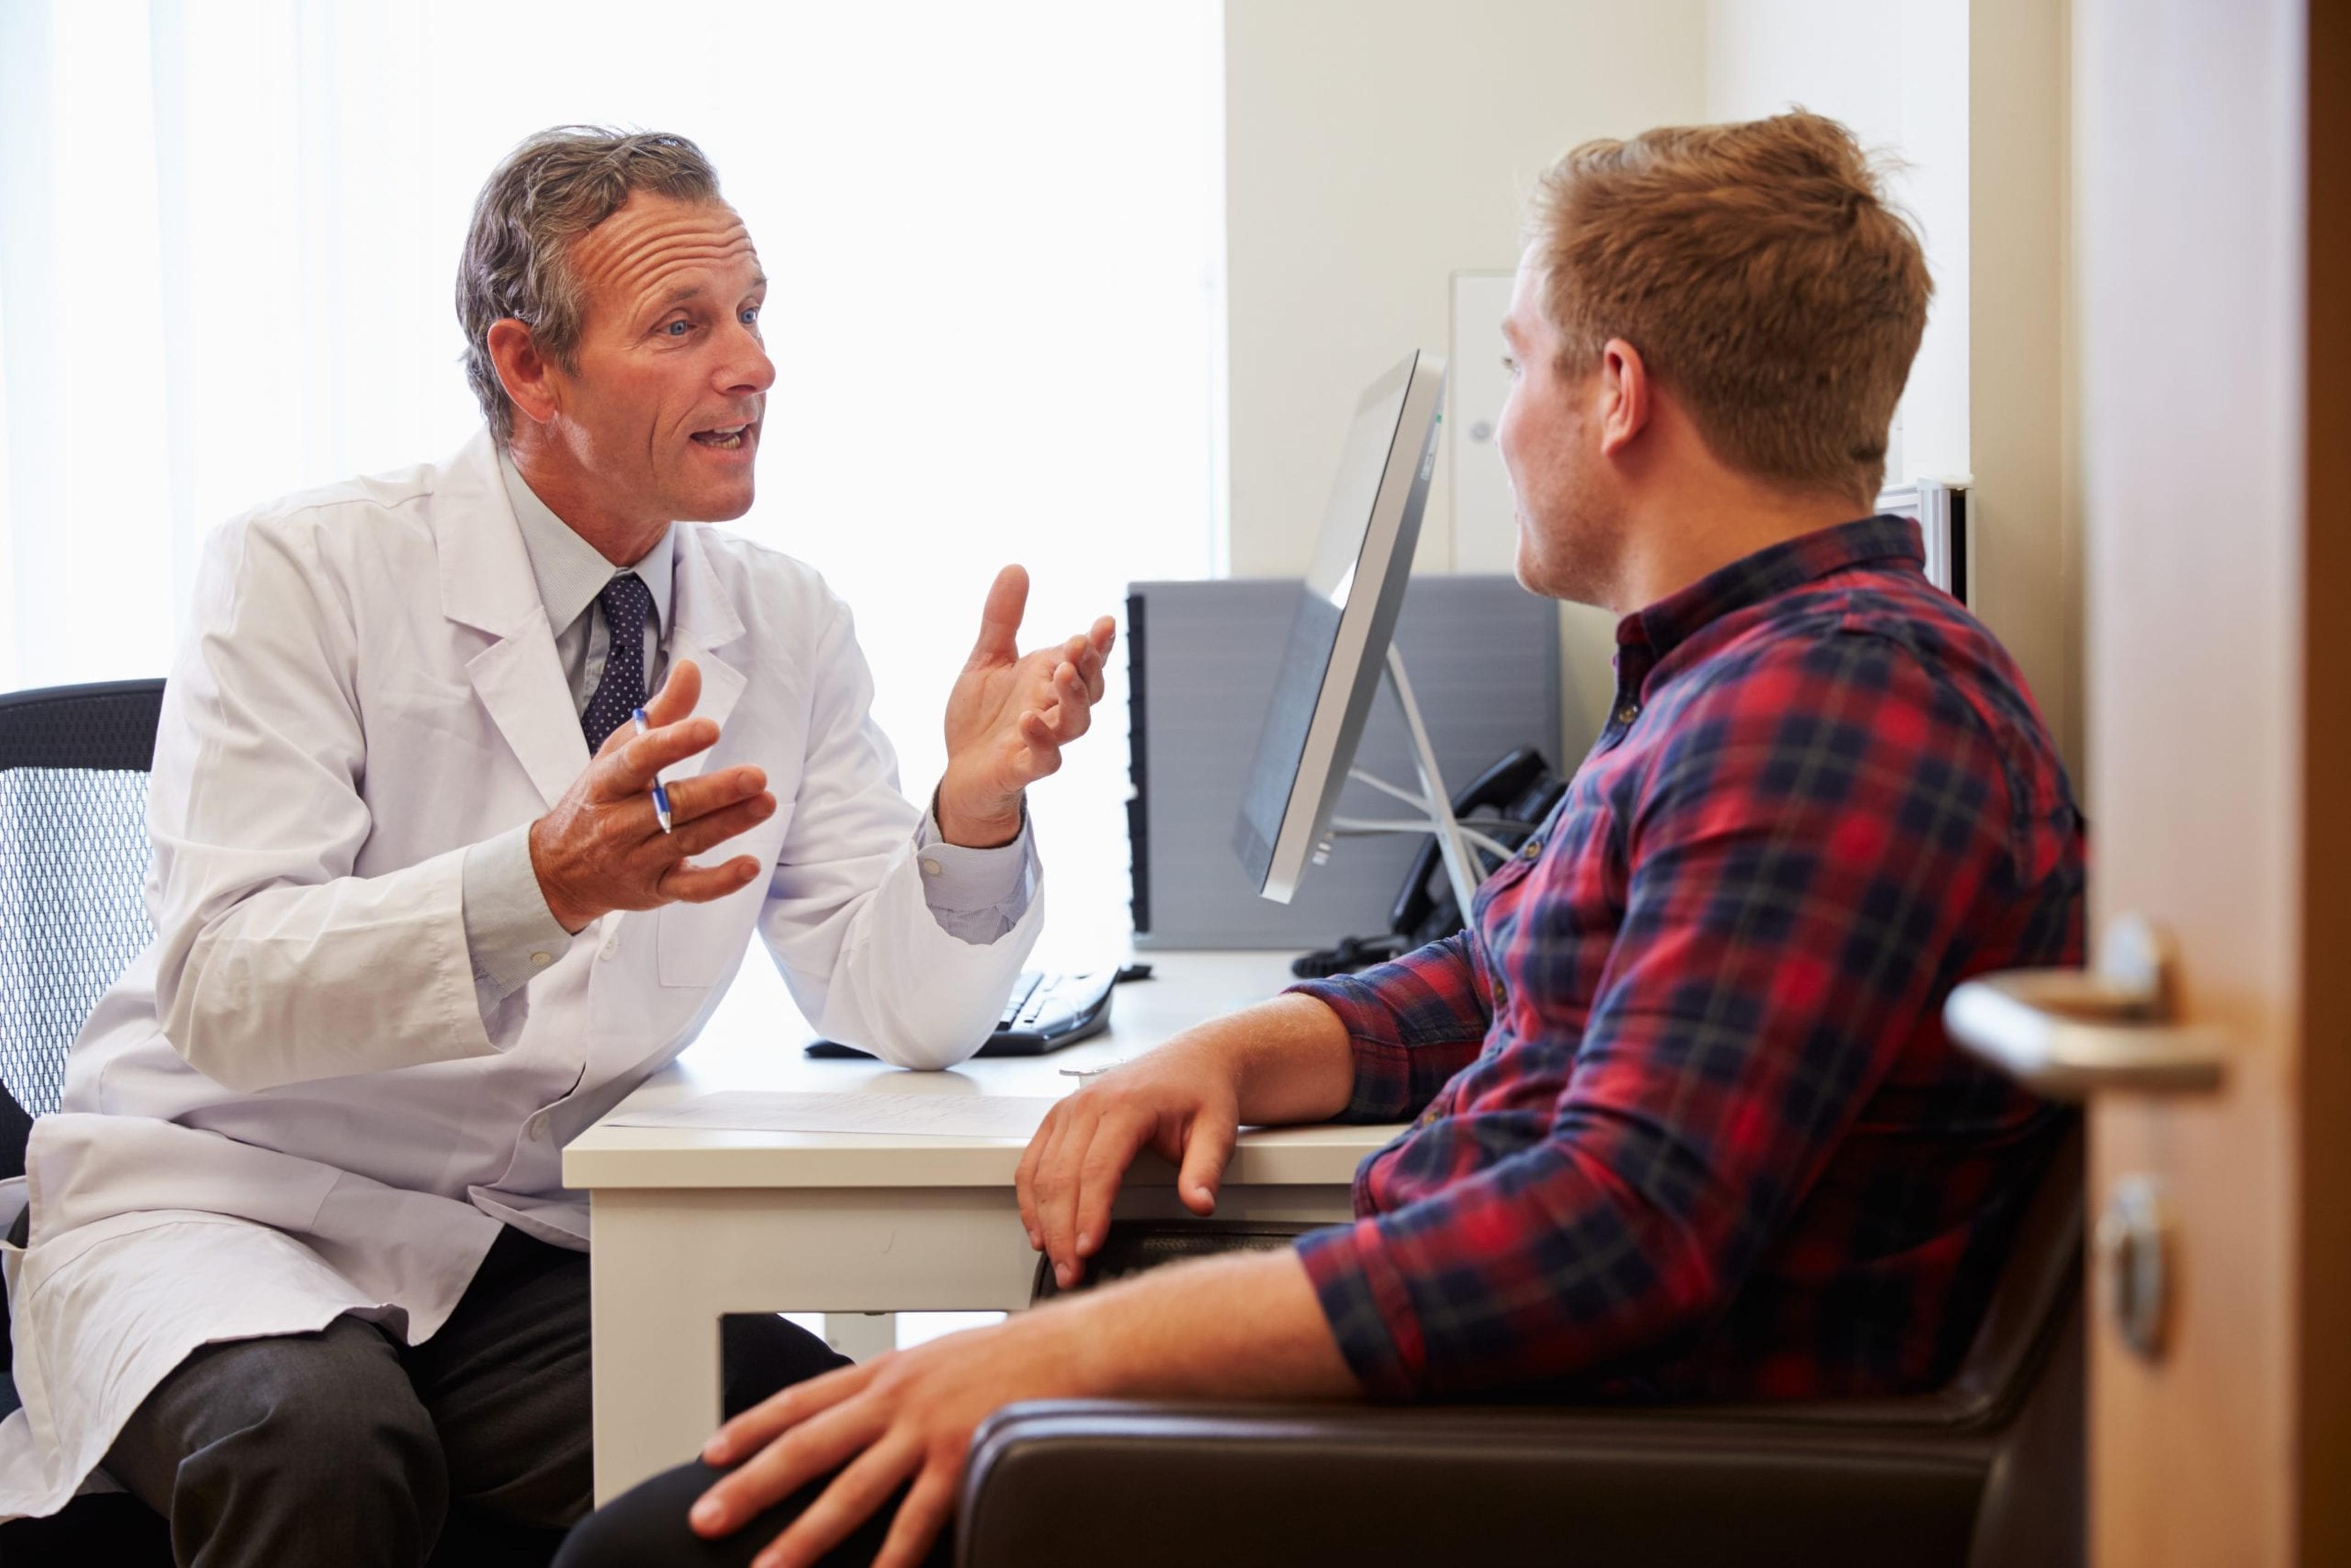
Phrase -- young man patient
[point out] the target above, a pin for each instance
(1684, 1118)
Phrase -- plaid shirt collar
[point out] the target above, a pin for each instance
(1647, 636)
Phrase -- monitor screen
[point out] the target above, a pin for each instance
(1339, 635)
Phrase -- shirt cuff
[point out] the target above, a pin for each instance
(509, 932)
(975, 894)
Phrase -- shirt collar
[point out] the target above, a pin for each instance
(572, 572)
(1751, 580)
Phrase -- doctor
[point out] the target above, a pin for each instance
(300, 1270)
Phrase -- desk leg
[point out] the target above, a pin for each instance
(666, 1264)
(654, 1349)
(862, 1336)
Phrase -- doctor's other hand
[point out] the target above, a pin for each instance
(602, 848)
(1010, 716)
(1182, 1100)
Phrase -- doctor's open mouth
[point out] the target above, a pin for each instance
(729, 437)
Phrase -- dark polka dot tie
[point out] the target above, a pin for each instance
(621, 691)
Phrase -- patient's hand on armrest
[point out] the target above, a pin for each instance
(1246, 1325)
(1285, 1060)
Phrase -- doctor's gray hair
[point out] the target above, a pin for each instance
(552, 189)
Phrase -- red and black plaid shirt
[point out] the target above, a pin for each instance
(1687, 1123)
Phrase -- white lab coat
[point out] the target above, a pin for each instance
(290, 1107)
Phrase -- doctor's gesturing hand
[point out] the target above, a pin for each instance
(602, 848)
(1008, 717)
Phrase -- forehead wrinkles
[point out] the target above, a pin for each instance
(629, 256)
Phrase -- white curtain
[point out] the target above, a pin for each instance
(228, 236)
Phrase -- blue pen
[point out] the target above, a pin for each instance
(661, 796)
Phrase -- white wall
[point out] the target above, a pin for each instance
(1372, 148)
(2022, 395)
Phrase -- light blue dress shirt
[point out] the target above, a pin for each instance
(975, 895)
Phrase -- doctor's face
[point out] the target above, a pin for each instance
(662, 406)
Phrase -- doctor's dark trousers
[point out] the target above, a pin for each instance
(345, 1447)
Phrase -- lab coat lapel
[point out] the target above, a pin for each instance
(487, 583)
(706, 621)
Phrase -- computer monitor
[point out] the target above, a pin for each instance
(1339, 640)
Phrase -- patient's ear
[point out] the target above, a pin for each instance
(523, 371)
(1625, 395)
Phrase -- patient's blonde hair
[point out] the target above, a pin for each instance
(1763, 275)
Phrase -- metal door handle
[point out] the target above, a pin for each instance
(2065, 1032)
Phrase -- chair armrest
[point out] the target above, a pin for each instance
(1150, 1484)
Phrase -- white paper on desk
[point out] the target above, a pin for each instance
(918, 1115)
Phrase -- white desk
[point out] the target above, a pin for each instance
(692, 1224)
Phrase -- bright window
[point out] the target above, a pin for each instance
(229, 231)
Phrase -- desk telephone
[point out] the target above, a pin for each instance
(1508, 802)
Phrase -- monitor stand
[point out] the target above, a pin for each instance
(1454, 841)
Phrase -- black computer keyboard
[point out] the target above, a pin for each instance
(1044, 1013)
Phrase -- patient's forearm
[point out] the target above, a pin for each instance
(1242, 1326)
(1290, 1058)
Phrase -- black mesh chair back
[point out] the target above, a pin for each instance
(73, 915)
(73, 868)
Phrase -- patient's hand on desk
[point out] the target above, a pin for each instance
(1182, 1100)
(1285, 1060)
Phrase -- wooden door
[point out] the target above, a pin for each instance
(2208, 222)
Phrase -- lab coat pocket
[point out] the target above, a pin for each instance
(703, 944)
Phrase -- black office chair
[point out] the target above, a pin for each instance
(73, 859)
(73, 867)
(73, 862)
(1984, 1472)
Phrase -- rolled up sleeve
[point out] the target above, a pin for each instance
(1413, 1022)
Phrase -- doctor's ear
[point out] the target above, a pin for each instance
(522, 370)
